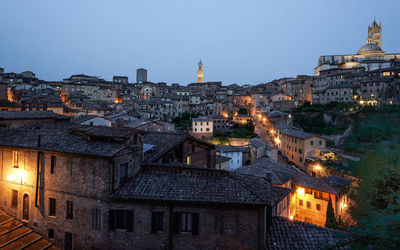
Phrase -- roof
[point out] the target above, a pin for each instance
(338, 183)
(286, 234)
(162, 143)
(222, 158)
(74, 141)
(6, 103)
(198, 185)
(255, 142)
(84, 118)
(368, 48)
(33, 114)
(14, 235)
(202, 119)
(229, 148)
(298, 133)
(282, 173)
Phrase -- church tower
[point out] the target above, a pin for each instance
(375, 34)
(200, 72)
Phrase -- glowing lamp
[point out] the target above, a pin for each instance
(277, 140)
(11, 177)
(291, 217)
(300, 191)
(317, 167)
(345, 205)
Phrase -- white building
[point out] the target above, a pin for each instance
(202, 126)
(235, 153)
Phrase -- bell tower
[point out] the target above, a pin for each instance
(375, 34)
(200, 72)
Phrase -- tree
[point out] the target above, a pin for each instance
(243, 111)
(376, 198)
(330, 215)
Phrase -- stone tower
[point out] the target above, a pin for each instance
(375, 34)
(200, 72)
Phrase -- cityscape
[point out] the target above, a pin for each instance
(309, 161)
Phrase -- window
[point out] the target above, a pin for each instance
(300, 202)
(308, 204)
(157, 222)
(308, 220)
(188, 160)
(14, 198)
(207, 129)
(52, 207)
(186, 223)
(70, 210)
(96, 218)
(320, 142)
(52, 164)
(68, 241)
(308, 191)
(300, 159)
(123, 172)
(318, 207)
(195, 129)
(51, 233)
(121, 220)
(312, 142)
(16, 158)
(300, 151)
(321, 195)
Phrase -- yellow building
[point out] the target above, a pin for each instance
(309, 198)
(297, 145)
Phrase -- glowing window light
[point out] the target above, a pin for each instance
(300, 191)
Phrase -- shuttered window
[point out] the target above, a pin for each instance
(121, 220)
(157, 222)
(186, 223)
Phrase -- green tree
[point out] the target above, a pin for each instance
(376, 208)
(330, 215)
(243, 111)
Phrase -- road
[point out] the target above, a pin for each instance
(262, 131)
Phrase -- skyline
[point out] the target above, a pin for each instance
(168, 39)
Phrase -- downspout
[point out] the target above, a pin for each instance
(171, 228)
(37, 174)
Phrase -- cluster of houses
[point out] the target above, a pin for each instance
(84, 186)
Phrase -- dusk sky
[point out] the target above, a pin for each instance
(242, 42)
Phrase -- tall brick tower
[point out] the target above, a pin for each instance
(200, 72)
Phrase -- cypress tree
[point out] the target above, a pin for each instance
(330, 215)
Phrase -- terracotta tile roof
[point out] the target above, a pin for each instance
(281, 173)
(286, 234)
(221, 158)
(64, 140)
(198, 185)
(33, 114)
(13, 235)
(255, 142)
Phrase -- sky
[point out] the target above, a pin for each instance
(243, 42)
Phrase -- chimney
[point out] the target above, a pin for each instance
(38, 142)
(268, 178)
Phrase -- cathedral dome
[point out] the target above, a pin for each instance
(369, 47)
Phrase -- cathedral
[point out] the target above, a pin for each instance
(370, 56)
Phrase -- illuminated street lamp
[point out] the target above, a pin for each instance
(300, 191)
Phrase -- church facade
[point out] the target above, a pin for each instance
(370, 56)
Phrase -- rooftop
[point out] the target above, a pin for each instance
(14, 235)
(75, 140)
(198, 185)
(282, 173)
(298, 133)
(33, 114)
(286, 234)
